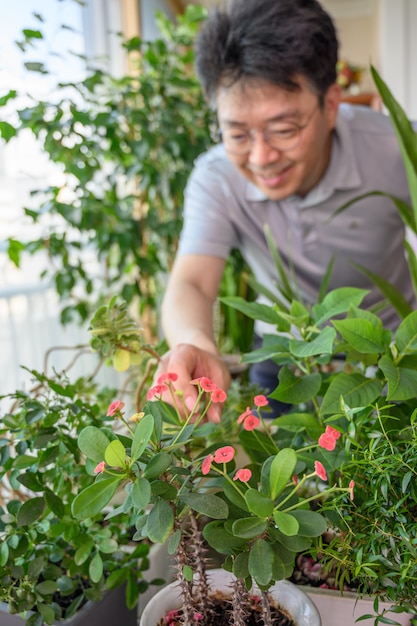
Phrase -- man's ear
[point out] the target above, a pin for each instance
(331, 103)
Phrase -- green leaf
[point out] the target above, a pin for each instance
(219, 538)
(311, 523)
(55, 503)
(115, 454)
(361, 335)
(206, 504)
(83, 552)
(46, 587)
(187, 573)
(95, 568)
(297, 422)
(296, 389)
(141, 493)
(282, 468)
(241, 565)
(261, 559)
(286, 523)
(320, 344)
(47, 612)
(285, 286)
(258, 504)
(402, 381)
(406, 335)
(30, 511)
(141, 437)
(254, 310)
(157, 465)
(7, 131)
(4, 553)
(337, 302)
(393, 295)
(412, 262)
(93, 443)
(355, 389)
(235, 496)
(94, 498)
(268, 350)
(249, 527)
(160, 522)
(35, 568)
(405, 133)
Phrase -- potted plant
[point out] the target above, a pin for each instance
(341, 369)
(52, 565)
(231, 489)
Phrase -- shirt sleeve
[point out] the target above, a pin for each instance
(208, 227)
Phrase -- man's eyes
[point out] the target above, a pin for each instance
(282, 132)
(238, 137)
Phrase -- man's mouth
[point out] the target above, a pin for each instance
(272, 178)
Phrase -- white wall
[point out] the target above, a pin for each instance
(398, 26)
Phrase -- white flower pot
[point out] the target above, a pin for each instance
(287, 595)
(348, 608)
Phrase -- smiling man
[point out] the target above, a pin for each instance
(290, 155)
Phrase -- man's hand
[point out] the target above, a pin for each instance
(190, 362)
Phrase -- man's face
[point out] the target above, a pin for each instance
(259, 107)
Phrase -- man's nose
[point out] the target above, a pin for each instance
(261, 153)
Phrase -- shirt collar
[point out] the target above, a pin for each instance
(342, 173)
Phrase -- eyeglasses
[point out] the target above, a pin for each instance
(281, 136)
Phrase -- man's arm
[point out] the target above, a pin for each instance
(187, 321)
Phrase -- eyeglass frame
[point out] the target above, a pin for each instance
(251, 131)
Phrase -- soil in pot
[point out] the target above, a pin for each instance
(220, 614)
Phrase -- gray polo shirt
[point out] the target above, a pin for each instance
(223, 211)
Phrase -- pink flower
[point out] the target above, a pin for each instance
(260, 401)
(243, 475)
(156, 390)
(351, 487)
(218, 395)
(332, 432)
(327, 441)
(206, 464)
(197, 617)
(99, 468)
(171, 616)
(115, 407)
(167, 377)
(251, 422)
(320, 471)
(224, 455)
(205, 383)
(244, 415)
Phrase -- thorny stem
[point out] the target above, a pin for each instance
(240, 603)
(266, 609)
(198, 555)
(188, 609)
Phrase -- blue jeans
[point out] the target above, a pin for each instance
(265, 375)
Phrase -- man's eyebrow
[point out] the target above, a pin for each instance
(287, 115)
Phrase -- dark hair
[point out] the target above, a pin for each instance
(271, 40)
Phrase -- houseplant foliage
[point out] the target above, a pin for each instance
(124, 146)
(184, 483)
(50, 562)
(341, 368)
